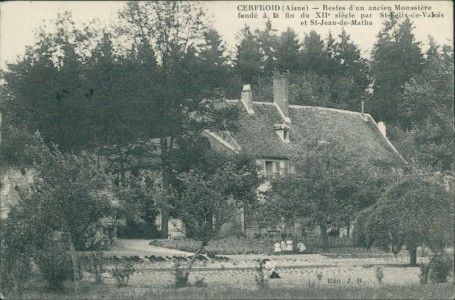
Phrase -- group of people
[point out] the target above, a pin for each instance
(288, 246)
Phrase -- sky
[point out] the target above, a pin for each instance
(19, 20)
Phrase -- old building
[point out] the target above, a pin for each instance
(276, 132)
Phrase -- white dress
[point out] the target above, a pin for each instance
(289, 246)
(277, 247)
(283, 246)
(301, 247)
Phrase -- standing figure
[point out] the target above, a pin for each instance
(277, 247)
(301, 247)
(283, 245)
(289, 245)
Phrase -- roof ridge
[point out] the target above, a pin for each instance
(263, 103)
(329, 109)
(303, 106)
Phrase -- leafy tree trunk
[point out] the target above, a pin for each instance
(193, 259)
(165, 222)
(166, 173)
(121, 172)
(413, 256)
(74, 261)
(324, 237)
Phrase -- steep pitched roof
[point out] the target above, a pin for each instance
(256, 132)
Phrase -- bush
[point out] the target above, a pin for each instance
(423, 276)
(261, 276)
(437, 271)
(200, 282)
(122, 273)
(19, 234)
(99, 235)
(440, 269)
(141, 230)
(15, 258)
(14, 272)
(379, 273)
(94, 264)
(179, 275)
(54, 262)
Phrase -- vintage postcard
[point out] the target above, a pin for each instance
(226, 149)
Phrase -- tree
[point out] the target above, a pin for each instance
(427, 106)
(349, 75)
(115, 117)
(396, 57)
(139, 197)
(287, 52)
(310, 88)
(412, 212)
(75, 89)
(212, 66)
(248, 59)
(328, 188)
(12, 146)
(86, 89)
(211, 194)
(268, 43)
(70, 193)
(170, 28)
(314, 56)
(331, 73)
(46, 90)
(178, 34)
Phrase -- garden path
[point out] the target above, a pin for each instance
(141, 248)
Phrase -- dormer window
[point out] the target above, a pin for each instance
(283, 132)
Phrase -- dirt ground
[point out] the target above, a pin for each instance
(295, 277)
(239, 271)
(141, 248)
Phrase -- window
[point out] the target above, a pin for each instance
(275, 168)
(282, 130)
(285, 168)
(268, 169)
(286, 135)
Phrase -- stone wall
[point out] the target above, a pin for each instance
(13, 182)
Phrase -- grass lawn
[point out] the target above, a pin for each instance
(91, 291)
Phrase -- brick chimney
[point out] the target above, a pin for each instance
(247, 98)
(281, 95)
